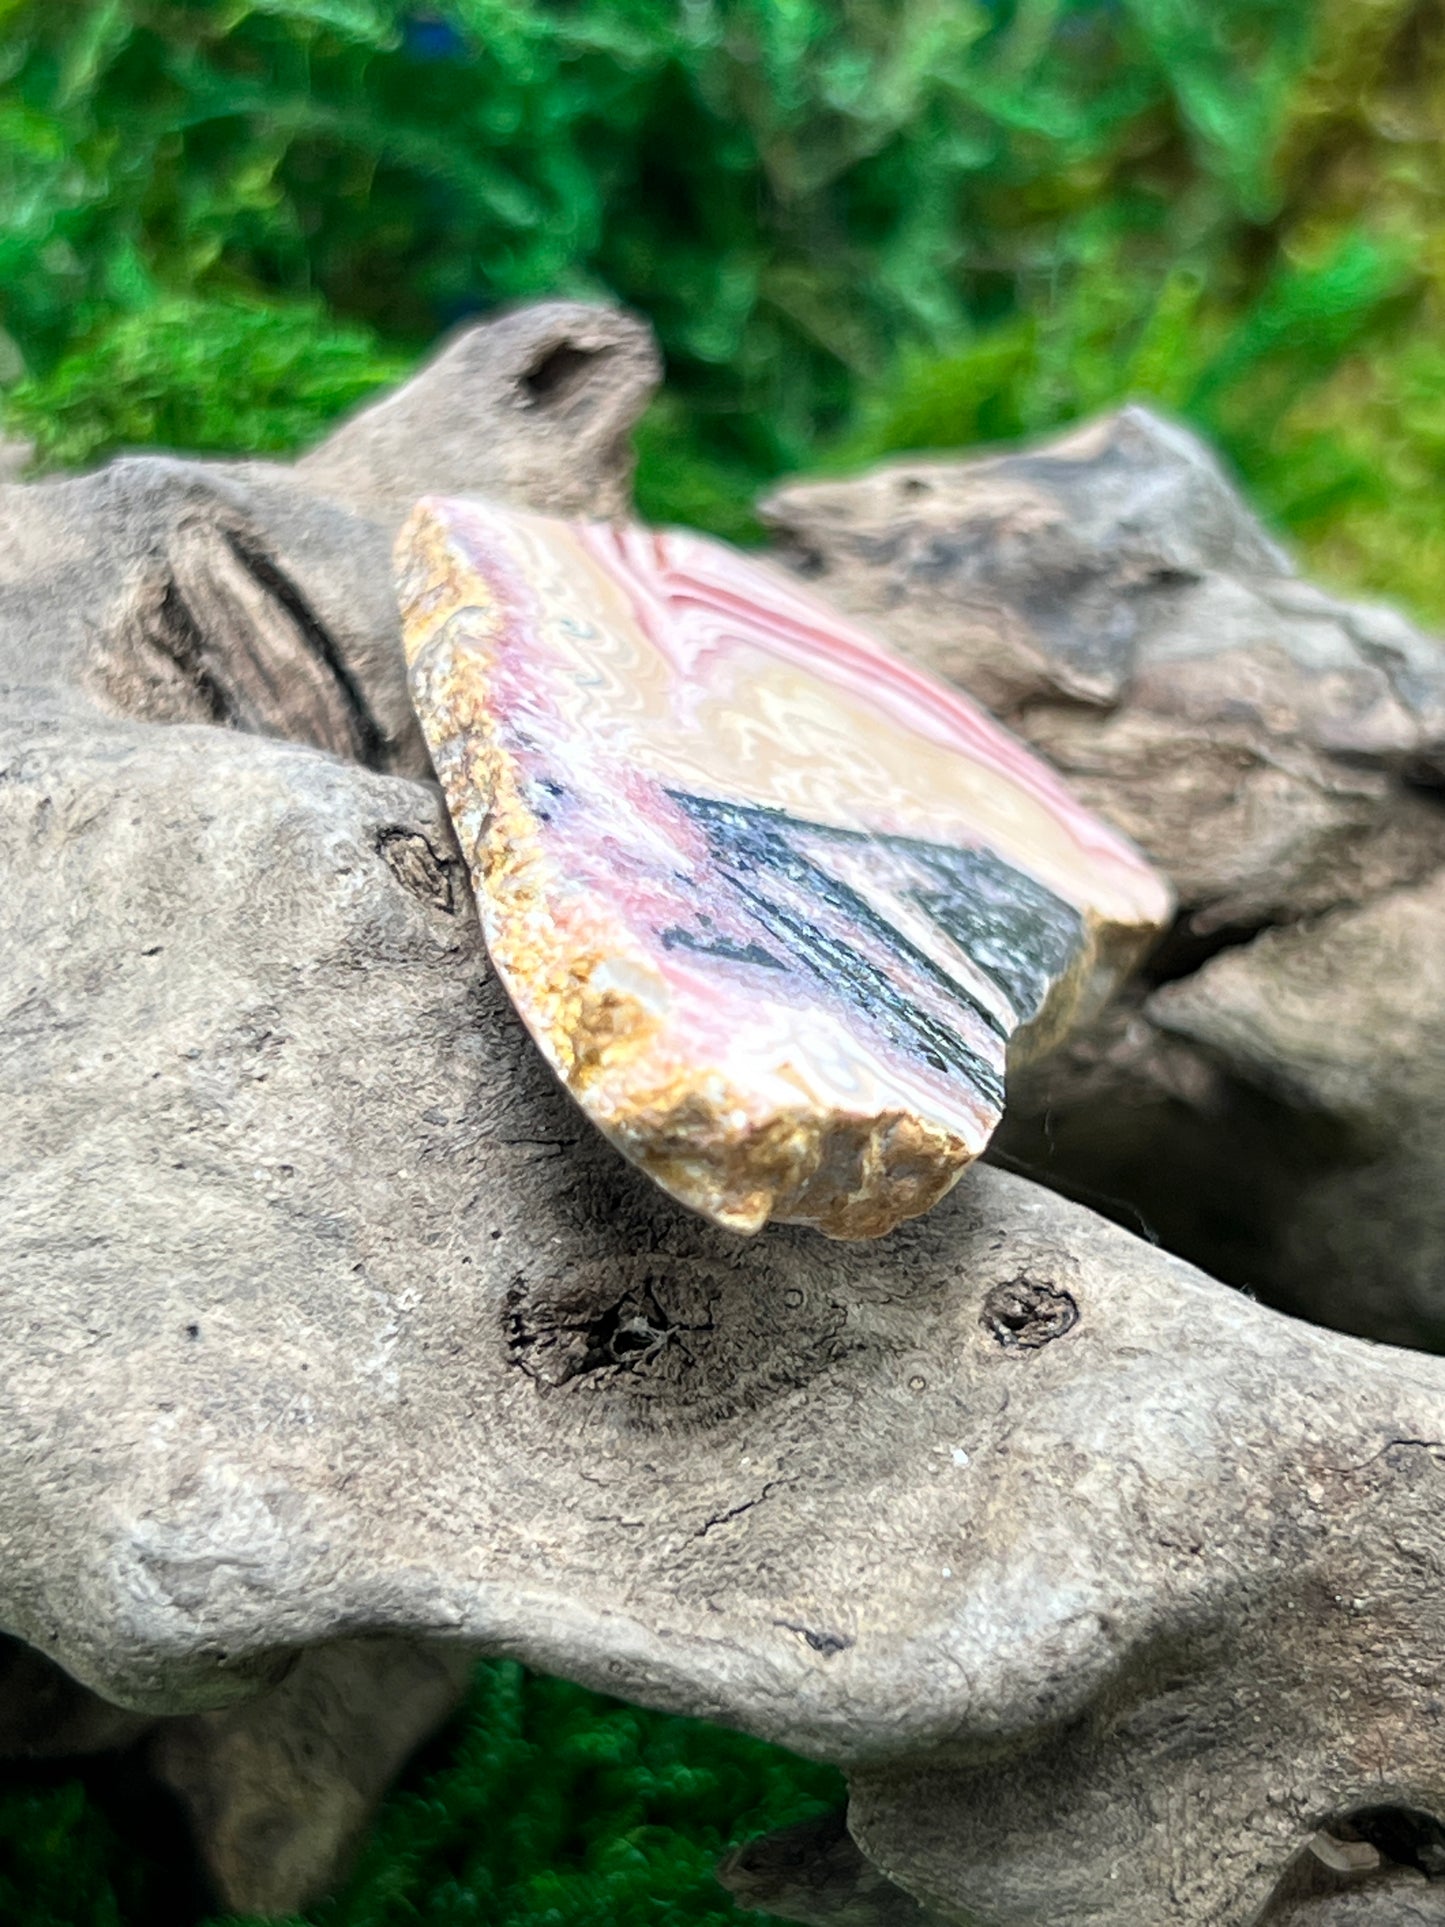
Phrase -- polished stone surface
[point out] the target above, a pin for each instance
(773, 902)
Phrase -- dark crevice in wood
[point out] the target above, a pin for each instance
(368, 740)
(1184, 948)
(1404, 1836)
(557, 374)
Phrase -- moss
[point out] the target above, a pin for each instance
(543, 1806)
(206, 375)
(856, 229)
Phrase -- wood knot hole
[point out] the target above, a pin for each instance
(1023, 1314)
(417, 868)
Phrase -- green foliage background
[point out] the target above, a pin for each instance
(542, 1806)
(858, 226)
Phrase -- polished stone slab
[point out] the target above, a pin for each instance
(776, 905)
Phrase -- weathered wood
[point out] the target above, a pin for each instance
(159, 622)
(1107, 1586)
(1274, 1111)
(279, 1789)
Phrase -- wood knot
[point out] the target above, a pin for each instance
(417, 868)
(1024, 1314)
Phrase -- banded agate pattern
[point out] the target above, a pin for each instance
(776, 905)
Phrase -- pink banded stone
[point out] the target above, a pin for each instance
(773, 902)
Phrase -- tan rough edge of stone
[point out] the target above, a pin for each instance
(846, 1177)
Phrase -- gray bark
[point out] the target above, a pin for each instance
(158, 622)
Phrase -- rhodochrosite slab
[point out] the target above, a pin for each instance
(772, 901)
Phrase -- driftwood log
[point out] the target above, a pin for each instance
(340, 1348)
(1270, 1099)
